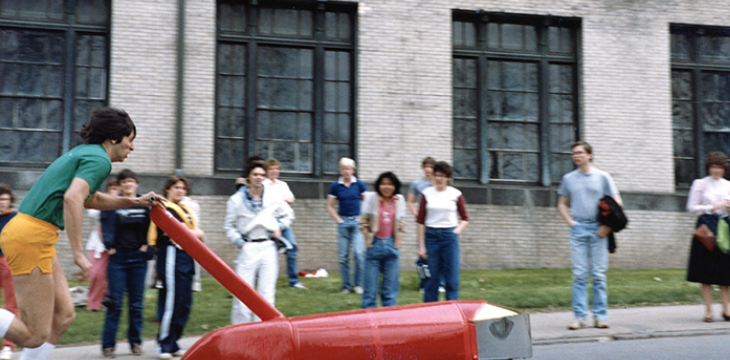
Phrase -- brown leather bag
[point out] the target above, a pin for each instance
(705, 236)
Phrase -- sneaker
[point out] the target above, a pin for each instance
(298, 286)
(345, 291)
(6, 353)
(179, 353)
(164, 356)
(109, 353)
(137, 350)
(358, 289)
(421, 290)
(601, 324)
(442, 289)
(577, 324)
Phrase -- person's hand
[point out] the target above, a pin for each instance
(457, 231)
(83, 263)
(150, 199)
(422, 252)
(719, 205)
(603, 231)
(572, 223)
(143, 248)
(277, 233)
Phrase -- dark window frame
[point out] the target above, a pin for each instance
(482, 54)
(695, 66)
(319, 45)
(72, 25)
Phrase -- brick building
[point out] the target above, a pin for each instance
(498, 88)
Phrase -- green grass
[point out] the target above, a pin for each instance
(527, 289)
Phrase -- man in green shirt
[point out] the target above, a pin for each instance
(56, 202)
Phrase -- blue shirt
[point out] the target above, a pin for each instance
(585, 190)
(348, 198)
(4, 219)
(417, 187)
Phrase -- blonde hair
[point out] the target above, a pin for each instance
(347, 162)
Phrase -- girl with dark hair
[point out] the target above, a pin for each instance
(709, 198)
(176, 270)
(57, 201)
(381, 223)
(439, 228)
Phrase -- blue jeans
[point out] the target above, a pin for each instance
(291, 257)
(442, 248)
(349, 235)
(383, 257)
(586, 247)
(126, 271)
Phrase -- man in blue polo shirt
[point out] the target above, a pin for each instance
(348, 190)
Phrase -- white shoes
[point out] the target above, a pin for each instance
(577, 324)
(601, 324)
(166, 356)
(6, 353)
(358, 289)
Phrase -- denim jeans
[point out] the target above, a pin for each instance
(587, 249)
(349, 235)
(383, 257)
(291, 257)
(442, 249)
(126, 271)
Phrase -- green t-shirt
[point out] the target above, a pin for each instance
(45, 199)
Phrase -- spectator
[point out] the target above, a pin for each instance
(273, 168)
(348, 192)
(438, 232)
(6, 280)
(127, 267)
(98, 256)
(381, 222)
(579, 193)
(195, 208)
(414, 197)
(254, 216)
(709, 198)
(176, 269)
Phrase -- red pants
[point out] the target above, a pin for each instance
(6, 283)
(97, 280)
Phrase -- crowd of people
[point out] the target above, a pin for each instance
(125, 247)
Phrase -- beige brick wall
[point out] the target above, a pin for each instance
(404, 112)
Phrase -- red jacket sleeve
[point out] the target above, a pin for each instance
(421, 219)
(461, 208)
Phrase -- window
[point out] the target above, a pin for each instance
(700, 97)
(54, 71)
(515, 97)
(285, 85)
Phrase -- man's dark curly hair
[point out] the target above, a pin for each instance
(107, 123)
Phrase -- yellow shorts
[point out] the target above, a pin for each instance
(29, 243)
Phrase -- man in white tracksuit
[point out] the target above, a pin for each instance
(254, 218)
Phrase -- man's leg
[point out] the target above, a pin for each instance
(291, 257)
(343, 252)
(358, 252)
(599, 266)
(35, 295)
(579, 259)
(267, 273)
(117, 283)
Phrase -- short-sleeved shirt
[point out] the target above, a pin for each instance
(585, 191)
(44, 201)
(417, 187)
(348, 197)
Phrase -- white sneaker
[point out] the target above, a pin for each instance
(6, 353)
(164, 356)
(358, 289)
(600, 323)
(298, 286)
(442, 289)
(577, 324)
(178, 353)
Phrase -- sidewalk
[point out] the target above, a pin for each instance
(629, 324)
(547, 328)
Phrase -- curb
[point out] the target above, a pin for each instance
(635, 336)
